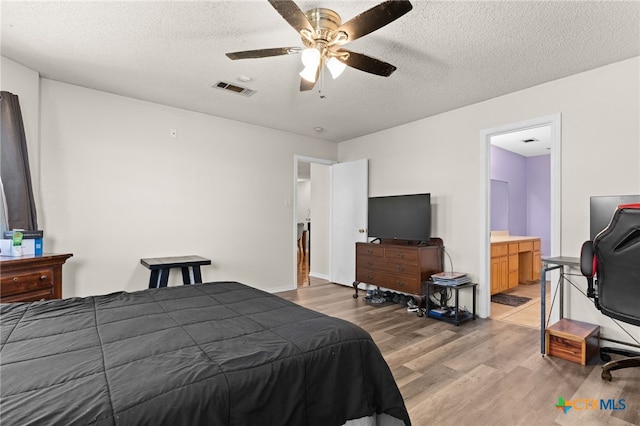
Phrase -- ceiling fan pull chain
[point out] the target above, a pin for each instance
(321, 85)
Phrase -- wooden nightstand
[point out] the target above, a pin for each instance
(31, 278)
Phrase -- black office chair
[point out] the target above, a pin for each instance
(613, 257)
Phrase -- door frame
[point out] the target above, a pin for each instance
(555, 122)
(294, 204)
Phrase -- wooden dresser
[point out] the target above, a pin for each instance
(31, 278)
(398, 267)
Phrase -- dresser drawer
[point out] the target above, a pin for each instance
(388, 280)
(401, 254)
(31, 296)
(369, 250)
(26, 282)
(400, 268)
(368, 262)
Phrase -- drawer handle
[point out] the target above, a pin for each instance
(369, 251)
(400, 268)
(15, 279)
(401, 256)
(43, 277)
(369, 263)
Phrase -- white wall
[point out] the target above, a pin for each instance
(442, 155)
(116, 188)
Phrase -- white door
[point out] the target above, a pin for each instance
(349, 199)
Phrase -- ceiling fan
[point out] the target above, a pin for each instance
(323, 34)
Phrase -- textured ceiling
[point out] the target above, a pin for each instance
(448, 54)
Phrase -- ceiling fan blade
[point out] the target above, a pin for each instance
(375, 18)
(292, 14)
(307, 85)
(263, 53)
(367, 63)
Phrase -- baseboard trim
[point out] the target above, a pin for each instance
(319, 276)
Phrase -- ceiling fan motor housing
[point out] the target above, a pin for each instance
(325, 22)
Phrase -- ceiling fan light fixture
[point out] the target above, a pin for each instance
(311, 60)
(309, 74)
(335, 67)
(311, 57)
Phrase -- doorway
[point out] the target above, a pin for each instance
(338, 213)
(310, 206)
(552, 244)
(520, 216)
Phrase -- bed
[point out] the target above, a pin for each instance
(219, 353)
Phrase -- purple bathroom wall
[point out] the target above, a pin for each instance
(539, 200)
(509, 167)
(529, 203)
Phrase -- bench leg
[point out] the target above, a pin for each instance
(164, 278)
(153, 280)
(197, 276)
(186, 277)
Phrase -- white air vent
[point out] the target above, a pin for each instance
(234, 88)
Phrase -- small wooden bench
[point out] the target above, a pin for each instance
(160, 267)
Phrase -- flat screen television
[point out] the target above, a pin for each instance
(400, 217)
(602, 209)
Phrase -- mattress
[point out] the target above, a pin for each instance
(219, 353)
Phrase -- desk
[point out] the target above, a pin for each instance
(160, 267)
(550, 264)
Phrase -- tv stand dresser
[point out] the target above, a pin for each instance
(398, 265)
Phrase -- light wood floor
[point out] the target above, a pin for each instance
(527, 314)
(303, 269)
(484, 372)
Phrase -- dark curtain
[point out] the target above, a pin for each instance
(16, 176)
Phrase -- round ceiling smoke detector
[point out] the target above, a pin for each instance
(318, 129)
